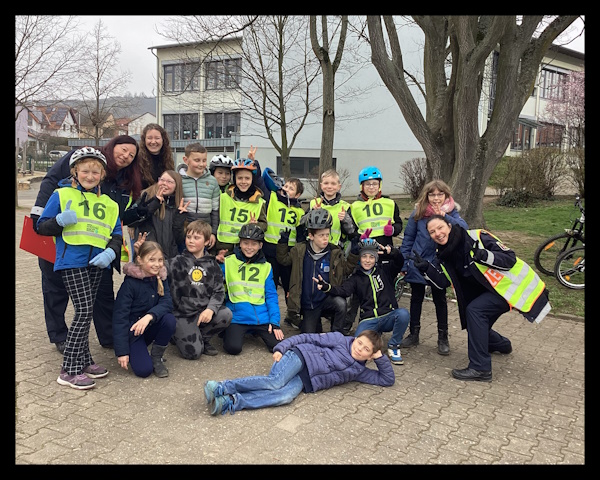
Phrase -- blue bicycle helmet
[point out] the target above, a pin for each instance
(369, 173)
(272, 181)
(244, 164)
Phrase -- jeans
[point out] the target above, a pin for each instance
(396, 322)
(281, 386)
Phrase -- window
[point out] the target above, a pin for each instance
(550, 135)
(181, 77)
(303, 167)
(182, 127)
(551, 84)
(221, 125)
(521, 137)
(223, 74)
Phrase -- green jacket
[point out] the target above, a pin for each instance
(340, 269)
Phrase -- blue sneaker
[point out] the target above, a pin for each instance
(210, 390)
(395, 355)
(222, 404)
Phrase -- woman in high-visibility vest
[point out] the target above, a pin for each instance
(89, 236)
(488, 280)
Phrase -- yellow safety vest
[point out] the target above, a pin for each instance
(245, 282)
(520, 286)
(96, 217)
(233, 214)
(374, 214)
(336, 229)
(280, 216)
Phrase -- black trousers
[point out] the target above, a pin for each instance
(56, 300)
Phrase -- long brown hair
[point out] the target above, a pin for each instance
(178, 193)
(423, 200)
(165, 155)
(131, 179)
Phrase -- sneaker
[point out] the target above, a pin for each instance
(222, 404)
(79, 382)
(212, 389)
(290, 324)
(209, 350)
(395, 355)
(60, 346)
(95, 371)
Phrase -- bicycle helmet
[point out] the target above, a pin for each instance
(220, 161)
(87, 152)
(272, 181)
(245, 164)
(369, 173)
(368, 245)
(318, 218)
(251, 231)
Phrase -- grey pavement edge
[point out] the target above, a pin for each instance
(532, 413)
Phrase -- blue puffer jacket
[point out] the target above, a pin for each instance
(137, 296)
(329, 361)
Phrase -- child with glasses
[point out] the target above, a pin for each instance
(435, 198)
(160, 213)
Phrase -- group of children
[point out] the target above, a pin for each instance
(212, 245)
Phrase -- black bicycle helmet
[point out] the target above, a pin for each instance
(220, 161)
(368, 245)
(318, 218)
(251, 231)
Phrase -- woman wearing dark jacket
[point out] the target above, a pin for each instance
(309, 362)
(488, 280)
(123, 184)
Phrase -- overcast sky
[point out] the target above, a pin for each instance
(136, 33)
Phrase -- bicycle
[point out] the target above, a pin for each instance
(547, 253)
(401, 287)
(570, 268)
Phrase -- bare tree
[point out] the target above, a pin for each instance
(101, 84)
(454, 55)
(329, 68)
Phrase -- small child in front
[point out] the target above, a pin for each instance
(309, 362)
(89, 236)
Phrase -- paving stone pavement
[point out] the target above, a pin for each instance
(532, 413)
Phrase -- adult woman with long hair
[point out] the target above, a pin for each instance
(155, 154)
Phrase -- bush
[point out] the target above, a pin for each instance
(414, 173)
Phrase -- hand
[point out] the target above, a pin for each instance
(420, 264)
(479, 254)
(220, 256)
(139, 327)
(205, 316)
(67, 216)
(318, 202)
(322, 284)
(278, 332)
(388, 230)
(160, 193)
(251, 152)
(277, 356)
(284, 235)
(252, 218)
(211, 241)
(183, 208)
(34, 219)
(366, 234)
(104, 259)
(377, 354)
(140, 240)
(341, 214)
(123, 361)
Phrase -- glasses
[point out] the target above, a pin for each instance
(436, 194)
(371, 184)
(167, 180)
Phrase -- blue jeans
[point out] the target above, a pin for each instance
(281, 386)
(396, 322)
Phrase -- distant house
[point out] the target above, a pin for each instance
(136, 125)
(56, 120)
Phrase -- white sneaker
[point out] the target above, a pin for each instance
(395, 355)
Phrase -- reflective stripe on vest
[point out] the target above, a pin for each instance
(233, 214)
(246, 281)
(280, 216)
(374, 214)
(520, 286)
(96, 217)
(336, 228)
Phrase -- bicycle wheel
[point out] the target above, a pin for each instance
(570, 268)
(399, 287)
(547, 253)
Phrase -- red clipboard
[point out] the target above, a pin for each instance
(39, 245)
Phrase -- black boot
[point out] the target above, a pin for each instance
(412, 339)
(157, 361)
(443, 346)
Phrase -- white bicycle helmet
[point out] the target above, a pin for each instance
(220, 161)
(87, 152)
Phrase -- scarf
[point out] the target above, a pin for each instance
(447, 206)
(454, 246)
